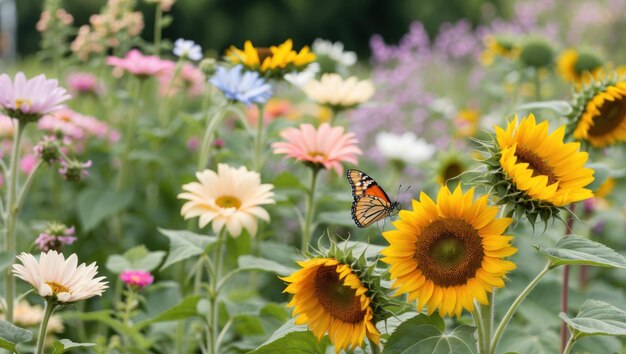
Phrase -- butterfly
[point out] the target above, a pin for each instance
(371, 203)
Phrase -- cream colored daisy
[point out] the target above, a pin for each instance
(53, 276)
(232, 197)
(333, 91)
(27, 316)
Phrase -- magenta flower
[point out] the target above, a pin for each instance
(325, 147)
(142, 66)
(84, 83)
(55, 236)
(27, 100)
(28, 163)
(137, 278)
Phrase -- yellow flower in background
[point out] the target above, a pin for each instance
(330, 298)
(605, 188)
(497, 46)
(601, 119)
(467, 122)
(541, 165)
(447, 254)
(273, 60)
(579, 67)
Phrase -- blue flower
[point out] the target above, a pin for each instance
(246, 87)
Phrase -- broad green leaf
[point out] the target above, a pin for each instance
(106, 318)
(11, 335)
(579, 250)
(339, 218)
(6, 260)
(97, 204)
(562, 108)
(64, 345)
(188, 307)
(423, 334)
(528, 339)
(597, 318)
(287, 180)
(185, 244)
(137, 258)
(358, 248)
(256, 263)
(248, 325)
(292, 339)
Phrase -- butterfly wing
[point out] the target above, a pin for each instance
(368, 209)
(371, 203)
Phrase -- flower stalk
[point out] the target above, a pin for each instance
(41, 339)
(258, 142)
(131, 127)
(565, 284)
(207, 139)
(310, 210)
(213, 318)
(158, 17)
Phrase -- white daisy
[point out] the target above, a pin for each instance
(406, 147)
(187, 49)
(300, 79)
(333, 91)
(54, 276)
(334, 51)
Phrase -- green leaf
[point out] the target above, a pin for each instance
(579, 250)
(106, 318)
(358, 248)
(338, 218)
(287, 180)
(292, 339)
(63, 345)
(185, 244)
(562, 108)
(424, 334)
(6, 260)
(188, 307)
(248, 262)
(601, 173)
(597, 318)
(97, 204)
(136, 258)
(11, 335)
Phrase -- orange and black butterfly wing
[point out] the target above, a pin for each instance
(362, 184)
(368, 209)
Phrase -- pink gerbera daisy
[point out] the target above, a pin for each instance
(142, 66)
(325, 147)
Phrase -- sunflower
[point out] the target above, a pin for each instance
(599, 115)
(498, 46)
(579, 67)
(541, 165)
(330, 298)
(451, 166)
(449, 253)
(274, 61)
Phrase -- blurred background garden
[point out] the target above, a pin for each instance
(413, 90)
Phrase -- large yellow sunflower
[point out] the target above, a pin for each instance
(449, 253)
(541, 165)
(602, 121)
(275, 59)
(579, 67)
(330, 298)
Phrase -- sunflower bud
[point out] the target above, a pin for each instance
(537, 53)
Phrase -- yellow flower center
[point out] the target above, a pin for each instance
(57, 288)
(337, 299)
(449, 251)
(315, 154)
(612, 114)
(263, 54)
(451, 171)
(20, 102)
(227, 201)
(535, 163)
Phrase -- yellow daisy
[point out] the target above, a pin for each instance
(498, 46)
(541, 165)
(447, 254)
(579, 67)
(330, 298)
(602, 118)
(272, 60)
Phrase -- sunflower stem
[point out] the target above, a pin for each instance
(569, 225)
(207, 140)
(258, 142)
(41, 339)
(479, 328)
(486, 316)
(375, 347)
(10, 219)
(310, 210)
(511, 311)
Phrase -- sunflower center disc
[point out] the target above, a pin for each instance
(227, 201)
(451, 171)
(535, 163)
(263, 54)
(449, 251)
(612, 114)
(338, 300)
(57, 288)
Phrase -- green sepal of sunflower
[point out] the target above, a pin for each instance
(371, 277)
(515, 201)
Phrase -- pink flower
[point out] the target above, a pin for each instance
(84, 83)
(55, 236)
(7, 126)
(193, 144)
(29, 99)
(75, 126)
(28, 163)
(324, 147)
(140, 65)
(190, 79)
(137, 278)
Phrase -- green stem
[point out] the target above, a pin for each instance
(164, 113)
(158, 16)
(10, 219)
(537, 85)
(511, 311)
(26, 186)
(375, 347)
(197, 277)
(131, 127)
(212, 344)
(258, 142)
(310, 210)
(480, 328)
(207, 139)
(486, 316)
(41, 339)
(129, 306)
(570, 345)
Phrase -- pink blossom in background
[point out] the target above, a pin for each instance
(84, 83)
(325, 146)
(63, 16)
(6, 127)
(137, 278)
(193, 144)
(28, 163)
(49, 239)
(35, 96)
(190, 79)
(76, 127)
(140, 65)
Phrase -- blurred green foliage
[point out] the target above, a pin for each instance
(216, 24)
